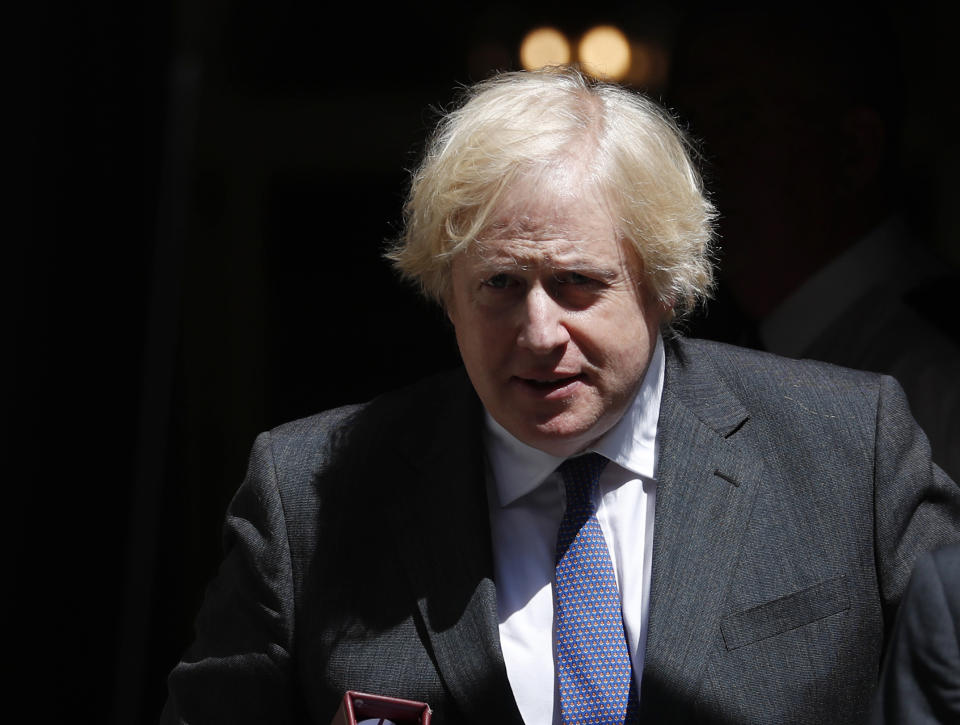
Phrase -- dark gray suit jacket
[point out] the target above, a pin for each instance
(793, 499)
(920, 682)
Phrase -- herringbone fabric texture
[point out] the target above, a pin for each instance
(593, 663)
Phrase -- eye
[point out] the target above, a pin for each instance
(499, 281)
(577, 290)
(573, 278)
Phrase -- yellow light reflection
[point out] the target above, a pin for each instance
(605, 52)
(648, 65)
(544, 46)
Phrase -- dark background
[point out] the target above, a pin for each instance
(206, 191)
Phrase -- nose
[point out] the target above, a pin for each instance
(542, 328)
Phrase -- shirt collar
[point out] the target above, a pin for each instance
(519, 468)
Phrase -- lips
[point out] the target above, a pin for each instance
(550, 384)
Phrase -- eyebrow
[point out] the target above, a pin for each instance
(590, 270)
(515, 262)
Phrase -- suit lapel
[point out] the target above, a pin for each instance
(706, 485)
(447, 553)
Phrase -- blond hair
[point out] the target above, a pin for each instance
(516, 122)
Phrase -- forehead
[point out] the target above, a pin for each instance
(549, 217)
(554, 247)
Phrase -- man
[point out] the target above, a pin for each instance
(736, 529)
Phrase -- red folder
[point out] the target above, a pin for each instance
(358, 706)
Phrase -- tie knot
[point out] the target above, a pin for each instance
(580, 475)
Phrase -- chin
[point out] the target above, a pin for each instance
(560, 447)
(560, 432)
(560, 441)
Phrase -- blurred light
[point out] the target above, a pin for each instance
(648, 65)
(641, 70)
(605, 52)
(544, 46)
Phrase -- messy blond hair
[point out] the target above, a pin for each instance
(519, 122)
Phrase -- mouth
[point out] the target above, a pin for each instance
(551, 384)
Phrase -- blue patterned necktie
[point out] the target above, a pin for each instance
(593, 663)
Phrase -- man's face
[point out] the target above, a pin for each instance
(552, 325)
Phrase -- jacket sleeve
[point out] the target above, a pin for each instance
(239, 667)
(920, 683)
(917, 506)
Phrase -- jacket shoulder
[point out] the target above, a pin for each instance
(805, 401)
(304, 447)
(726, 357)
(756, 376)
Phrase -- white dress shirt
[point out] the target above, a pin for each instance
(527, 501)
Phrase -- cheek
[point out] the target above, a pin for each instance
(481, 343)
(623, 351)
(617, 334)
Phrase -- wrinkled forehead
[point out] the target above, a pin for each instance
(559, 204)
(547, 199)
